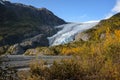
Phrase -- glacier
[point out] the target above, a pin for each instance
(68, 32)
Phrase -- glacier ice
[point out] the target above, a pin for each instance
(68, 32)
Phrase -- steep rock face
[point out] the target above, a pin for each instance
(19, 22)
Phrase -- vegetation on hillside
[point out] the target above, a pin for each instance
(94, 61)
(97, 62)
(98, 36)
(97, 59)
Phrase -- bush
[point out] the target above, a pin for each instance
(78, 68)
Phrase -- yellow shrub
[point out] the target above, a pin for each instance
(117, 35)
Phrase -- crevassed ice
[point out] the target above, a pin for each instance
(68, 32)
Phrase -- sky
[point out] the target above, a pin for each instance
(77, 10)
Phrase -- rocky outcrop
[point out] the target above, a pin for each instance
(82, 36)
(15, 49)
(38, 40)
(102, 36)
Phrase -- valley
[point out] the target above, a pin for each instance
(36, 44)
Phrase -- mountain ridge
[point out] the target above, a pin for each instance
(19, 23)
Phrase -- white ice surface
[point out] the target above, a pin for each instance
(68, 32)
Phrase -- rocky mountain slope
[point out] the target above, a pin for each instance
(25, 25)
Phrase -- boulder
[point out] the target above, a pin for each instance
(15, 49)
(82, 36)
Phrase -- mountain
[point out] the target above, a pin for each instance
(26, 25)
(103, 37)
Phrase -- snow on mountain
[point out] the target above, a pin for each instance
(68, 32)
